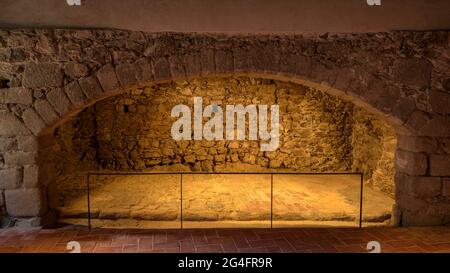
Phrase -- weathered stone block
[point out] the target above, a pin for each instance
(145, 73)
(440, 102)
(33, 121)
(413, 71)
(446, 186)
(75, 93)
(19, 95)
(207, 60)
(46, 111)
(193, 65)
(126, 74)
(445, 145)
(344, 78)
(403, 109)
(10, 178)
(440, 165)
(91, 87)
(423, 186)
(303, 65)
(106, 75)
(7, 144)
(176, 68)
(20, 158)
(28, 143)
(31, 176)
(437, 125)
(162, 69)
(287, 63)
(417, 144)
(421, 218)
(59, 101)
(25, 202)
(11, 125)
(224, 62)
(76, 70)
(240, 55)
(411, 163)
(42, 75)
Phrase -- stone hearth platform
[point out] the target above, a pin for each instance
(223, 201)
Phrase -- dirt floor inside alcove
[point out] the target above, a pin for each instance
(222, 200)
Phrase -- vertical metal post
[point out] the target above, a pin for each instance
(361, 201)
(88, 202)
(181, 200)
(271, 200)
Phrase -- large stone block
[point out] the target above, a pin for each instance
(28, 143)
(224, 62)
(126, 74)
(46, 111)
(421, 218)
(424, 124)
(420, 186)
(176, 67)
(382, 95)
(11, 125)
(162, 69)
(145, 73)
(76, 70)
(10, 178)
(440, 102)
(303, 65)
(75, 93)
(192, 65)
(446, 186)
(413, 71)
(91, 87)
(42, 75)
(417, 144)
(33, 121)
(7, 144)
(411, 163)
(403, 109)
(20, 158)
(31, 176)
(25, 202)
(440, 165)
(207, 60)
(240, 55)
(106, 75)
(16, 95)
(57, 98)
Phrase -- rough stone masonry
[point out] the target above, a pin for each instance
(47, 76)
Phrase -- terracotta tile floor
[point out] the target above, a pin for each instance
(433, 239)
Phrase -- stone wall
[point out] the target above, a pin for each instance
(132, 131)
(47, 76)
(373, 142)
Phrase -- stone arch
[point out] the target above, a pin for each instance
(325, 63)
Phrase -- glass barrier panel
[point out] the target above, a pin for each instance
(318, 200)
(226, 200)
(135, 201)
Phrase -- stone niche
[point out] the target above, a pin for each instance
(319, 133)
